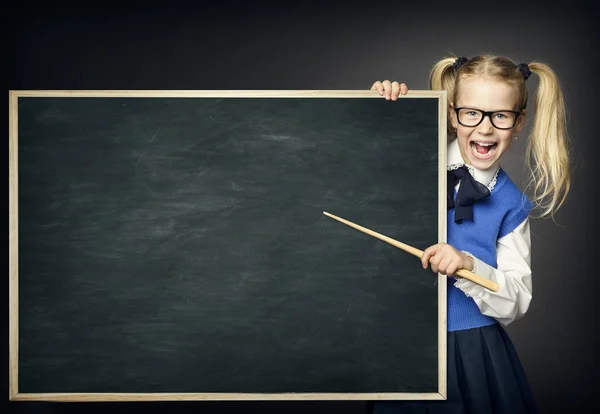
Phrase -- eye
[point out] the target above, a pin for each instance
(500, 116)
(472, 113)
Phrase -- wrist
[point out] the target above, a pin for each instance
(470, 264)
(468, 261)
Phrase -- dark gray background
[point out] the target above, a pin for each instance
(235, 45)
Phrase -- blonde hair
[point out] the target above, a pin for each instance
(547, 153)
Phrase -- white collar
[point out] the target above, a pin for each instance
(455, 160)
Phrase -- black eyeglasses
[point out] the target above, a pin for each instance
(471, 117)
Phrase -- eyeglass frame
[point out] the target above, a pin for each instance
(488, 114)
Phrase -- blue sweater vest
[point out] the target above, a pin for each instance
(493, 218)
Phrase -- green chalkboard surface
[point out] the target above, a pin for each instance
(174, 246)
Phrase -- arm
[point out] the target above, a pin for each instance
(513, 275)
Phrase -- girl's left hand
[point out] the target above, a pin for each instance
(445, 259)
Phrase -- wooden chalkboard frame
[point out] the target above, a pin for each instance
(14, 393)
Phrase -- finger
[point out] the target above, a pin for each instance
(435, 260)
(425, 259)
(434, 265)
(387, 88)
(452, 268)
(444, 264)
(428, 253)
(395, 90)
(403, 88)
(378, 86)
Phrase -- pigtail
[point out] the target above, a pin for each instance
(442, 77)
(547, 151)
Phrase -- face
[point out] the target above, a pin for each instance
(483, 145)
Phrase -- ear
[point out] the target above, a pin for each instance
(453, 120)
(521, 121)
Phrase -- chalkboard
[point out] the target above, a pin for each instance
(172, 245)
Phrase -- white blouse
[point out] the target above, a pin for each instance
(513, 274)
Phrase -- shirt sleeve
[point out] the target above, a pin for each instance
(513, 275)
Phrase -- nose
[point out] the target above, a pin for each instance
(485, 127)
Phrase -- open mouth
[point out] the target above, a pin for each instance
(483, 150)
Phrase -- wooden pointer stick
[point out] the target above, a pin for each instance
(493, 286)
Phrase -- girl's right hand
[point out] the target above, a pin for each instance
(390, 90)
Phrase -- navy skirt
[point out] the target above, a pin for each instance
(485, 376)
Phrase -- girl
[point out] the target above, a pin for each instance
(488, 224)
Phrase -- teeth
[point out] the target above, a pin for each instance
(485, 144)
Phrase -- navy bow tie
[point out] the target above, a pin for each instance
(469, 192)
